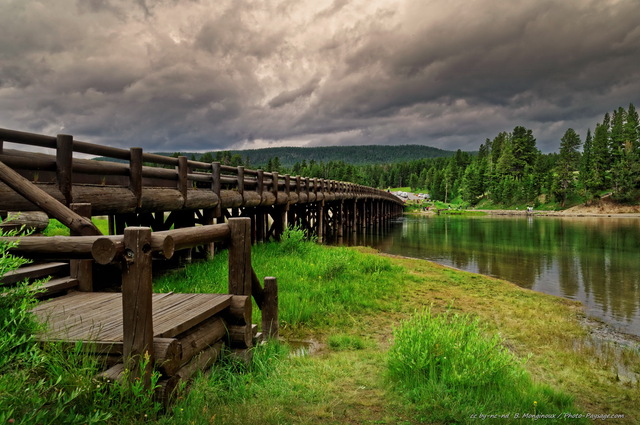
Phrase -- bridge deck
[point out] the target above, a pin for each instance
(97, 316)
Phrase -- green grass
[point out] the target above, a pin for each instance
(453, 370)
(318, 286)
(349, 301)
(55, 228)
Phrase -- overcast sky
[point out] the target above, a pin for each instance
(198, 75)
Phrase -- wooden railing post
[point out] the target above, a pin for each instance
(64, 164)
(260, 183)
(241, 273)
(274, 188)
(137, 317)
(240, 179)
(270, 308)
(287, 184)
(216, 186)
(183, 171)
(135, 174)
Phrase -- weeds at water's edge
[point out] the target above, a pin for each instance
(453, 371)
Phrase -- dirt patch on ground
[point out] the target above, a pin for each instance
(604, 206)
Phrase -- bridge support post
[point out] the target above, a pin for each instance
(82, 269)
(340, 220)
(320, 224)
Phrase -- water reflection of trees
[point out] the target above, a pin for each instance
(595, 259)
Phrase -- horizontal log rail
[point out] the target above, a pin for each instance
(183, 173)
(107, 249)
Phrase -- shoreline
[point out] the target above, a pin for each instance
(542, 213)
(596, 327)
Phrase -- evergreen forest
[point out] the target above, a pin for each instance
(506, 170)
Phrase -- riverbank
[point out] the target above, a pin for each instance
(345, 303)
(345, 379)
(628, 212)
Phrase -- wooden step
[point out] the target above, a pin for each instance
(35, 271)
(57, 285)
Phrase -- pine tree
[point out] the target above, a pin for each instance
(568, 163)
(600, 156)
(523, 146)
(586, 166)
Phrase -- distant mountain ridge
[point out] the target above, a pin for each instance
(355, 155)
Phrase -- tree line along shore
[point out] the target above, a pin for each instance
(507, 170)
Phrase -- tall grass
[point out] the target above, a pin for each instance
(317, 285)
(220, 396)
(42, 383)
(454, 371)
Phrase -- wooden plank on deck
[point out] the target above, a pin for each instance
(33, 271)
(97, 316)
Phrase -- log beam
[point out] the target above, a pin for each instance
(47, 203)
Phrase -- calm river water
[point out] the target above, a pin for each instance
(592, 260)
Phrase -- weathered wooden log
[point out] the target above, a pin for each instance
(166, 390)
(256, 289)
(241, 336)
(53, 246)
(106, 199)
(168, 355)
(64, 165)
(35, 221)
(54, 286)
(34, 271)
(114, 374)
(200, 362)
(240, 256)
(21, 160)
(104, 249)
(107, 249)
(231, 199)
(46, 202)
(197, 339)
(168, 351)
(189, 237)
(251, 199)
(135, 174)
(270, 308)
(239, 312)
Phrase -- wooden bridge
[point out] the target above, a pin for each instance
(160, 208)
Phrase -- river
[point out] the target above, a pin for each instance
(595, 260)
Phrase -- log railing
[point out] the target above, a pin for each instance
(139, 169)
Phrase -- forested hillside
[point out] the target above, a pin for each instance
(506, 170)
(510, 170)
(289, 156)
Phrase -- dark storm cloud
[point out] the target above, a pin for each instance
(291, 95)
(202, 75)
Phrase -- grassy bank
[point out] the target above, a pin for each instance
(350, 302)
(481, 346)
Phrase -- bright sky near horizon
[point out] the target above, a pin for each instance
(199, 75)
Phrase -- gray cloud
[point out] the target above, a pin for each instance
(205, 74)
